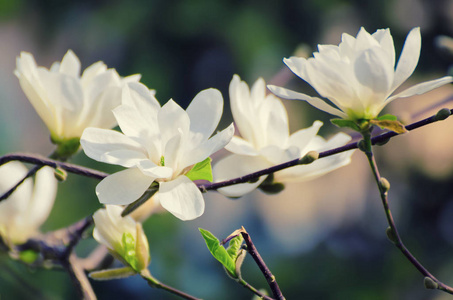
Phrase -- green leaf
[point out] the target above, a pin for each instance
(387, 117)
(395, 126)
(129, 254)
(235, 246)
(345, 123)
(112, 273)
(201, 171)
(218, 251)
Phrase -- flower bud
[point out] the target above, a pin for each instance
(430, 284)
(391, 235)
(122, 236)
(309, 158)
(384, 184)
(60, 174)
(442, 114)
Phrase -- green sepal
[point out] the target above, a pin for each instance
(201, 171)
(342, 123)
(387, 117)
(219, 252)
(65, 148)
(110, 274)
(28, 256)
(392, 125)
(129, 254)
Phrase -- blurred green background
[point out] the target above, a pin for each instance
(323, 239)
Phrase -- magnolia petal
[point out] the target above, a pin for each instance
(70, 64)
(92, 71)
(214, 144)
(374, 70)
(242, 109)
(408, 59)
(123, 187)
(108, 145)
(240, 146)
(151, 169)
(172, 120)
(302, 138)
(44, 193)
(314, 101)
(321, 166)
(138, 114)
(422, 88)
(182, 198)
(276, 125)
(205, 111)
(17, 203)
(385, 39)
(40, 103)
(234, 166)
(123, 157)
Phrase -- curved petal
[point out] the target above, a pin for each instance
(111, 147)
(43, 198)
(321, 166)
(137, 116)
(182, 198)
(302, 137)
(205, 111)
(70, 64)
(374, 70)
(408, 59)
(17, 203)
(242, 109)
(276, 125)
(151, 169)
(240, 146)
(314, 101)
(214, 144)
(234, 166)
(172, 120)
(422, 88)
(123, 187)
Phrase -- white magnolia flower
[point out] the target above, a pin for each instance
(263, 123)
(28, 207)
(68, 102)
(359, 75)
(122, 236)
(158, 144)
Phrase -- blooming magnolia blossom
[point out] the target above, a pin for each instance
(359, 75)
(122, 236)
(158, 144)
(68, 102)
(28, 207)
(263, 123)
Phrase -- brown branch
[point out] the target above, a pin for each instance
(251, 249)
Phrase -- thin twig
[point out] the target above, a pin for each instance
(377, 139)
(78, 278)
(72, 168)
(393, 234)
(153, 282)
(251, 249)
(254, 290)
